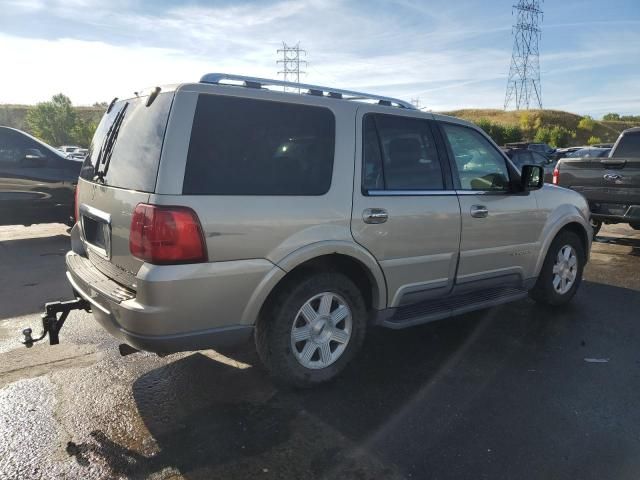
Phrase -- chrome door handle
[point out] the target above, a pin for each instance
(479, 211)
(375, 215)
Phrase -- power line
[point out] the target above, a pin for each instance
(523, 86)
(290, 63)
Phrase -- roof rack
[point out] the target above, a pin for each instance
(254, 82)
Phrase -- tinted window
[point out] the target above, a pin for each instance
(135, 156)
(399, 154)
(20, 150)
(480, 166)
(537, 159)
(242, 146)
(629, 146)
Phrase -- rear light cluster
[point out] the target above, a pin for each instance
(556, 176)
(166, 235)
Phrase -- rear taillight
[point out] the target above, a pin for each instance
(166, 235)
(556, 176)
(76, 207)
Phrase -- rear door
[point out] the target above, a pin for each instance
(500, 229)
(119, 172)
(405, 211)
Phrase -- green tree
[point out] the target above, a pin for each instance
(556, 135)
(586, 123)
(594, 140)
(500, 134)
(611, 116)
(53, 121)
(82, 132)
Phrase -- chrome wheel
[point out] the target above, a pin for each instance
(321, 330)
(565, 270)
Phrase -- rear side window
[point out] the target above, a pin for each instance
(399, 154)
(242, 146)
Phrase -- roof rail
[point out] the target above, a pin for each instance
(254, 82)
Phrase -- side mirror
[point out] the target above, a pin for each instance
(531, 178)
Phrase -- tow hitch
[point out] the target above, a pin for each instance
(52, 323)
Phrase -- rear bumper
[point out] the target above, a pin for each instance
(613, 212)
(178, 308)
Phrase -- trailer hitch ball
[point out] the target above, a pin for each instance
(28, 339)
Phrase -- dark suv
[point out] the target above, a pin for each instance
(37, 182)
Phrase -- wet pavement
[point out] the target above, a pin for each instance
(516, 391)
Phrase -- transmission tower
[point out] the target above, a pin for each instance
(290, 63)
(416, 102)
(523, 87)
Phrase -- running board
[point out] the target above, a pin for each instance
(430, 310)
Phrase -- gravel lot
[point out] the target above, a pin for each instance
(516, 391)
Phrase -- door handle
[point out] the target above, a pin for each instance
(375, 215)
(479, 211)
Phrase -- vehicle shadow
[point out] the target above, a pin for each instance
(632, 242)
(32, 272)
(432, 393)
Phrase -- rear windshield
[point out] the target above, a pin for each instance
(125, 150)
(241, 146)
(629, 146)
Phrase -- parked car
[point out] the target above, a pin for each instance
(222, 210)
(522, 156)
(541, 148)
(80, 154)
(589, 152)
(563, 152)
(67, 149)
(37, 182)
(610, 184)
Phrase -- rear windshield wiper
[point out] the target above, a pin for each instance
(104, 156)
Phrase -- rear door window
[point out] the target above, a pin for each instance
(399, 154)
(242, 146)
(629, 146)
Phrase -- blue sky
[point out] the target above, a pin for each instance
(450, 54)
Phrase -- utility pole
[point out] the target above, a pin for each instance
(523, 87)
(290, 63)
(416, 102)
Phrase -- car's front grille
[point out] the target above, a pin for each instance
(82, 269)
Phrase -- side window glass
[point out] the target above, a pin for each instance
(400, 154)
(372, 174)
(479, 165)
(11, 149)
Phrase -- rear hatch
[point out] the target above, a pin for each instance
(119, 172)
(609, 184)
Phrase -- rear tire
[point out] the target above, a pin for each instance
(311, 329)
(635, 226)
(596, 225)
(561, 272)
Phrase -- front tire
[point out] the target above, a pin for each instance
(635, 226)
(311, 329)
(561, 272)
(596, 225)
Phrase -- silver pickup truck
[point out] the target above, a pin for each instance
(611, 185)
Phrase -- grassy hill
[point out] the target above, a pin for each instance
(14, 115)
(607, 131)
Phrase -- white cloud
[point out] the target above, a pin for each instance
(444, 58)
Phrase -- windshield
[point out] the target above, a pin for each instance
(125, 150)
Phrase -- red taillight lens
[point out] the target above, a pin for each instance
(76, 214)
(166, 235)
(556, 176)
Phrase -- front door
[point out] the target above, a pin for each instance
(501, 228)
(405, 211)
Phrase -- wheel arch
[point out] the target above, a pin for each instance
(574, 223)
(353, 261)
